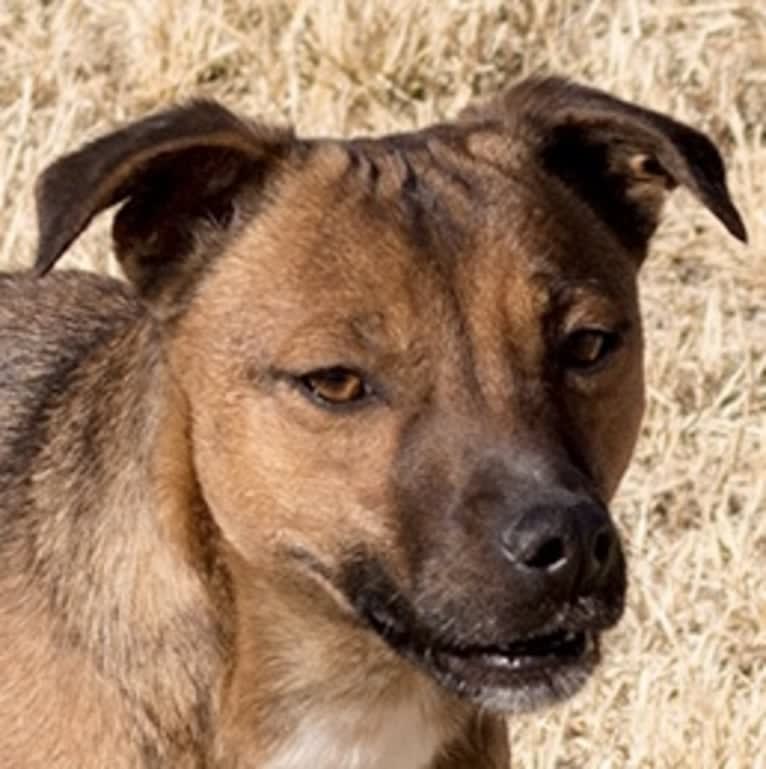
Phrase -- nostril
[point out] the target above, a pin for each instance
(571, 548)
(548, 555)
(602, 547)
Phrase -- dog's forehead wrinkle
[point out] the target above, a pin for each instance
(370, 328)
(429, 182)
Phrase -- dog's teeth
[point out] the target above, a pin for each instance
(501, 661)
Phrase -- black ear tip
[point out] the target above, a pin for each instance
(732, 220)
(50, 246)
(49, 187)
(737, 228)
(41, 267)
(714, 194)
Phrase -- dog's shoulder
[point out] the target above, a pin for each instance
(48, 327)
(68, 303)
(46, 323)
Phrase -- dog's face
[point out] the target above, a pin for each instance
(413, 365)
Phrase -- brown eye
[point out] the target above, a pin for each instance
(584, 349)
(335, 386)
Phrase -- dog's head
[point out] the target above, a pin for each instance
(413, 364)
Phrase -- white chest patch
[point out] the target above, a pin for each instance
(388, 737)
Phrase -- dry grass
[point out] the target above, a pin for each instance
(685, 683)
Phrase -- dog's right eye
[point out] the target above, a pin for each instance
(335, 386)
(585, 349)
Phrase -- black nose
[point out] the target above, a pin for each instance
(573, 544)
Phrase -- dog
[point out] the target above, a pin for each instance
(325, 482)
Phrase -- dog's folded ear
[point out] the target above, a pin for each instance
(621, 159)
(177, 172)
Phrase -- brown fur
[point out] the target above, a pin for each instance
(194, 551)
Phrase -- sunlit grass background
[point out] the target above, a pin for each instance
(685, 680)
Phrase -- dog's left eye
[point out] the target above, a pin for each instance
(585, 349)
(335, 386)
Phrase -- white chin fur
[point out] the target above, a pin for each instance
(535, 695)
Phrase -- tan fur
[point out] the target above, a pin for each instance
(194, 550)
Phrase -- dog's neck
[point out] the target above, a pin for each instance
(310, 687)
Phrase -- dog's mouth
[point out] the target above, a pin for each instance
(511, 676)
(543, 652)
(520, 675)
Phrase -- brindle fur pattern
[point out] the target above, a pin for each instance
(182, 531)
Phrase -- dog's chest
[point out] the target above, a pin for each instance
(400, 736)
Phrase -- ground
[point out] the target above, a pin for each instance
(684, 684)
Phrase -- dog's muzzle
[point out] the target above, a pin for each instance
(534, 642)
